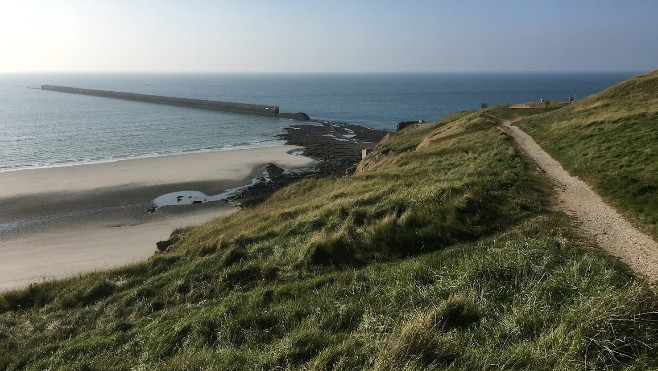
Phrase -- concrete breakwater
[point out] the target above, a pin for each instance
(245, 108)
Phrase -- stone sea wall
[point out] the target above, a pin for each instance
(251, 109)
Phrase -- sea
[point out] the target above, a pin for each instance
(45, 129)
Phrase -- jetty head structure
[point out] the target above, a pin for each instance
(245, 108)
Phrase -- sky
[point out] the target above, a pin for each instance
(327, 36)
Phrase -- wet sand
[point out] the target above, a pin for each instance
(62, 221)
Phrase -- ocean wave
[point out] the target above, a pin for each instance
(100, 160)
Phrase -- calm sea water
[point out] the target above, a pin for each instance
(41, 128)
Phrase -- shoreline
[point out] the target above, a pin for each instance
(159, 170)
(246, 147)
(62, 221)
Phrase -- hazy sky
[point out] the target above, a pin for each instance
(327, 36)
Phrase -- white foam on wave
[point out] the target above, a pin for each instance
(226, 148)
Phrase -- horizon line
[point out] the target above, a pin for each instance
(325, 72)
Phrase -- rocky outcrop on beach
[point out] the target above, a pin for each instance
(274, 178)
(336, 147)
(298, 116)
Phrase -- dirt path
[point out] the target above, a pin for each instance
(594, 217)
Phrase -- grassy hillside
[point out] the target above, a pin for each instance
(441, 251)
(611, 141)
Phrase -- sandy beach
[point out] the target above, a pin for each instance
(61, 221)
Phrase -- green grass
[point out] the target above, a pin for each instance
(440, 252)
(610, 140)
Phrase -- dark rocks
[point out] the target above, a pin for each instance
(274, 178)
(273, 171)
(336, 146)
(298, 116)
(163, 246)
